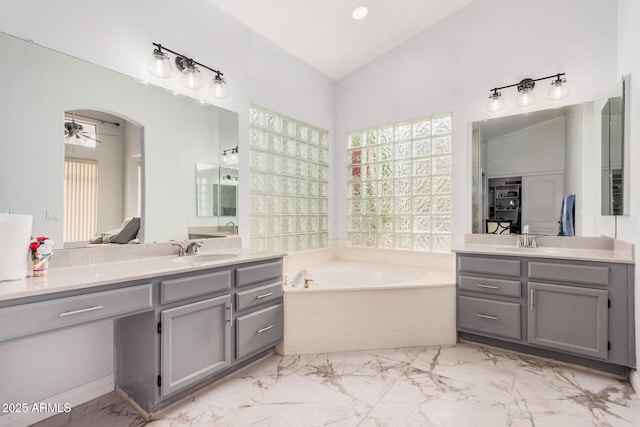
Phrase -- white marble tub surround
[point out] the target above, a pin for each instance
(91, 267)
(390, 301)
(597, 249)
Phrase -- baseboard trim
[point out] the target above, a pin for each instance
(634, 379)
(75, 397)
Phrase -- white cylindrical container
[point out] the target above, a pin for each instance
(15, 236)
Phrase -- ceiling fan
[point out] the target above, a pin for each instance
(75, 133)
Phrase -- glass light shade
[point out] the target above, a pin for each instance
(225, 159)
(496, 103)
(191, 78)
(558, 90)
(218, 88)
(525, 98)
(159, 65)
(233, 157)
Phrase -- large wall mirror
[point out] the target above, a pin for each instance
(155, 179)
(525, 166)
(615, 173)
(217, 195)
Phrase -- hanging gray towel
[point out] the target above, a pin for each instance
(567, 216)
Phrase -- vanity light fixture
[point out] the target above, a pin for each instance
(229, 180)
(159, 65)
(526, 95)
(230, 155)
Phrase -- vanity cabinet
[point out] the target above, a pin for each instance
(259, 319)
(195, 342)
(568, 318)
(489, 296)
(577, 311)
(204, 325)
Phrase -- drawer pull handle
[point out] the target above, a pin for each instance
(484, 316)
(264, 296)
(264, 329)
(83, 310)
(486, 286)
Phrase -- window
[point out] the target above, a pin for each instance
(289, 183)
(80, 199)
(399, 186)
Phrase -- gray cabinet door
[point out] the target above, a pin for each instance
(568, 318)
(195, 342)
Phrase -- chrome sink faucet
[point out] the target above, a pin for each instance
(181, 249)
(524, 240)
(193, 247)
(233, 227)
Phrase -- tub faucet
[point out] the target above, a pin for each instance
(296, 279)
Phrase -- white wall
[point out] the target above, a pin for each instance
(629, 63)
(532, 150)
(256, 70)
(132, 158)
(120, 39)
(574, 156)
(452, 65)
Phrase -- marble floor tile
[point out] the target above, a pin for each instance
(363, 376)
(293, 401)
(448, 386)
(422, 398)
(404, 355)
(487, 368)
(109, 410)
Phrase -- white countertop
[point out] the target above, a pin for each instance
(91, 275)
(576, 248)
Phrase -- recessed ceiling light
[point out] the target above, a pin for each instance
(360, 12)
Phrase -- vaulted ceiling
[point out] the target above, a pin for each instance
(323, 33)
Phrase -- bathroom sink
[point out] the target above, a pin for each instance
(203, 259)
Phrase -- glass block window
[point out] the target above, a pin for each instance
(289, 183)
(399, 186)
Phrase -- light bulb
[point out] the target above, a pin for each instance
(558, 90)
(159, 65)
(234, 156)
(218, 88)
(191, 78)
(525, 98)
(496, 102)
(225, 159)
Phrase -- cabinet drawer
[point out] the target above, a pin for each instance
(258, 273)
(257, 296)
(594, 275)
(503, 267)
(492, 317)
(510, 288)
(258, 331)
(27, 319)
(192, 286)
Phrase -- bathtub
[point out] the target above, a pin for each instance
(352, 306)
